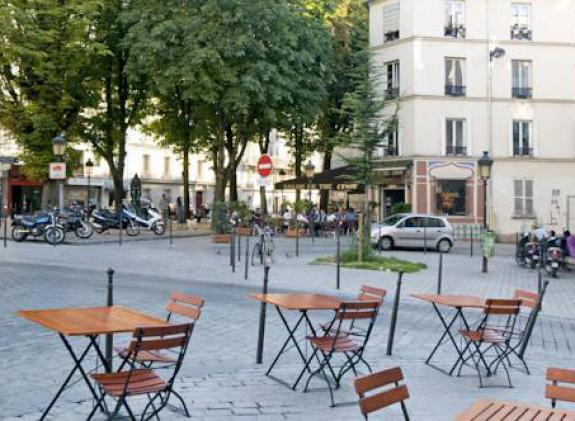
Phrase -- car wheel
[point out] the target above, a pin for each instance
(385, 243)
(444, 246)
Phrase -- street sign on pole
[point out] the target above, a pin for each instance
(57, 170)
(265, 166)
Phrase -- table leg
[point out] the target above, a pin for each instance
(77, 366)
(447, 332)
(477, 348)
(290, 337)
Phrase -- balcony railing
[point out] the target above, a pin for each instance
(455, 31)
(455, 90)
(455, 150)
(391, 36)
(520, 92)
(391, 151)
(521, 33)
(391, 93)
(517, 151)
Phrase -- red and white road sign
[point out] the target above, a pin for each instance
(265, 166)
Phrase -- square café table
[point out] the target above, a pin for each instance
(457, 302)
(296, 302)
(88, 322)
(487, 410)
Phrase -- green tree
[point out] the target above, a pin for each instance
(47, 51)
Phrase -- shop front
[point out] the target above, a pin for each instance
(24, 195)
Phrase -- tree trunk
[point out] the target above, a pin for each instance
(324, 194)
(233, 179)
(298, 135)
(220, 172)
(186, 181)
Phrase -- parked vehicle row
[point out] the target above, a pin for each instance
(534, 249)
(53, 225)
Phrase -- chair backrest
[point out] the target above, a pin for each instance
(502, 306)
(367, 293)
(560, 393)
(184, 305)
(528, 299)
(350, 314)
(395, 394)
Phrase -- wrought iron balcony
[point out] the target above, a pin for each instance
(455, 150)
(455, 31)
(391, 36)
(518, 151)
(521, 33)
(521, 92)
(455, 90)
(391, 93)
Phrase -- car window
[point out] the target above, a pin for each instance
(391, 220)
(412, 222)
(434, 223)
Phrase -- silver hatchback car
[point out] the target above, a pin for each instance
(413, 230)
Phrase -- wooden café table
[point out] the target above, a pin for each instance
(485, 410)
(296, 302)
(457, 302)
(90, 323)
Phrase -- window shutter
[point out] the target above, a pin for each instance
(391, 18)
(518, 193)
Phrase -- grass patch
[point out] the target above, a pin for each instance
(348, 259)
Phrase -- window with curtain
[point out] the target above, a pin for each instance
(454, 76)
(455, 143)
(521, 75)
(521, 21)
(455, 18)
(392, 79)
(522, 144)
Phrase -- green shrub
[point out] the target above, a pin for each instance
(221, 218)
(400, 208)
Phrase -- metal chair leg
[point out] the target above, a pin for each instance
(177, 395)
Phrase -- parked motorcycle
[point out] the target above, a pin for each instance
(44, 224)
(104, 220)
(553, 257)
(74, 219)
(532, 254)
(154, 221)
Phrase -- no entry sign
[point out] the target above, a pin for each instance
(265, 166)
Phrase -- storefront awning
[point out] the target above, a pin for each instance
(345, 178)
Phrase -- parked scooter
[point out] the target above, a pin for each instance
(553, 257)
(104, 220)
(74, 219)
(154, 222)
(44, 224)
(532, 254)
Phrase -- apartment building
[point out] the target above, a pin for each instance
(472, 76)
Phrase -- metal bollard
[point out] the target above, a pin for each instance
(233, 250)
(440, 273)
(109, 337)
(261, 330)
(296, 238)
(424, 240)
(471, 241)
(239, 248)
(120, 227)
(391, 334)
(171, 229)
(338, 258)
(5, 226)
(532, 320)
(247, 259)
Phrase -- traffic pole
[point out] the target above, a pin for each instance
(262, 326)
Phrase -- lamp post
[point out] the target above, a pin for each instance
(484, 165)
(495, 53)
(59, 149)
(89, 166)
(309, 172)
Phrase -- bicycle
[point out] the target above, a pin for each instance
(264, 245)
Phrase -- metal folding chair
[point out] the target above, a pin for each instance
(381, 399)
(131, 381)
(556, 392)
(337, 340)
(496, 336)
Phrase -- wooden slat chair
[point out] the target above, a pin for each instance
(554, 391)
(131, 381)
(184, 306)
(381, 399)
(336, 341)
(366, 293)
(498, 340)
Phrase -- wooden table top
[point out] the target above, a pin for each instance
(485, 410)
(77, 321)
(299, 301)
(458, 301)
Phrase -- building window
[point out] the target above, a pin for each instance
(167, 166)
(146, 166)
(451, 197)
(392, 80)
(168, 195)
(455, 18)
(521, 21)
(455, 76)
(523, 191)
(391, 139)
(200, 170)
(521, 79)
(147, 194)
(455, 137)
(391, 22)
(522, 145)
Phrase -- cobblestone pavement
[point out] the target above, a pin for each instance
(219, 378)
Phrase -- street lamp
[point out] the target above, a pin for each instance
(89, 166)
(484, 165)
(495, 53)
(59, 149)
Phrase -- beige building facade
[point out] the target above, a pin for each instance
(481, 75)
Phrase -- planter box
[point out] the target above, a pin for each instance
(243, 231)
(221, 238)
(291, 233)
